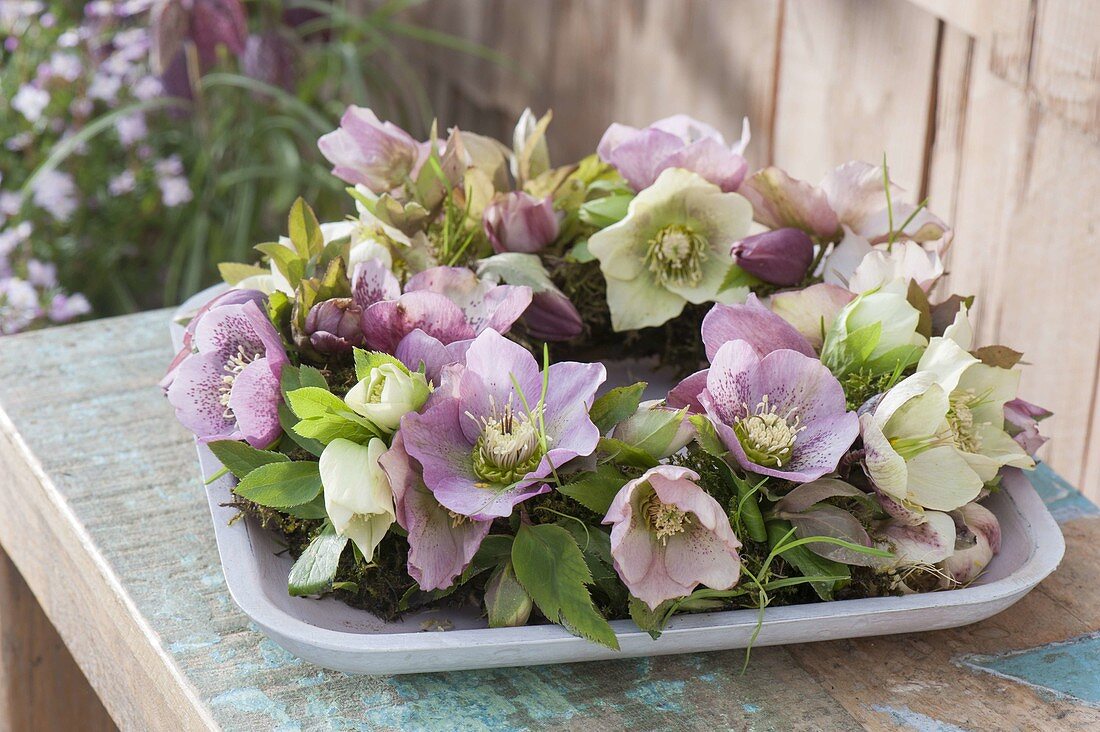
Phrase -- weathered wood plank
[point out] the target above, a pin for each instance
(41, 687)
(1066, 62)
(855, 81)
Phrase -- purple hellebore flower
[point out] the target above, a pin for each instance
(229, 388)
(781, 257)
(441, 542)
(552, 317)
(668, 536)
(365, 150)
(783, 415)
(752, 323)
(674, 142)
(448, 303)
(335, 326)
(229, 297)
(482, 450)
(519, 222)
(1022, 422)
(419, 349)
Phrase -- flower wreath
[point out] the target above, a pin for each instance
(412, 396)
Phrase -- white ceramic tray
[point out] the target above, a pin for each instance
(329, 633)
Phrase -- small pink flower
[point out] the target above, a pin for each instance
(668, 536)
(519, 222)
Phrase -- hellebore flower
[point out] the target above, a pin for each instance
(333, 326)
(388, 393)
(852, 196)
(668, 536)
(781, 257)
(976, 393)
(519, 222)
(965, 564)
(925, 543)
(420, 351)
(1022, 422)
(448, 303)
(672, 248)
(358, 499)
(783, 415)
(365, 150)
(674, 142)
(750, 322)
(875, 333)
(441, 542)
(552, 317)
(235, 296)
(488, 441)
(656, 429)
(228, 389)
(881, 267)
(811, 310)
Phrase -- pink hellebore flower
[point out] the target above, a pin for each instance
(783, 415)
(487, 441)
(365, 150)
(1022, 422)
(674, 142)
(441, 542)
(668, 536)
(519, 222)
(781, 257)
(448, 303)
(852, 195)
(751, 323)
(228, 389)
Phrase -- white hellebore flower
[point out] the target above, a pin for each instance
(358, 499)
(874, 332)
(388, 393)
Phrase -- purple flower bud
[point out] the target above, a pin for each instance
(552, 317)
(779, 257)
(270, 57)
(333, 326)
(519, 222)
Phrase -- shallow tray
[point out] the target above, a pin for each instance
(329, 633)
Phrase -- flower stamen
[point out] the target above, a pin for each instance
(676, 256)
(233, 368)
(766, 436)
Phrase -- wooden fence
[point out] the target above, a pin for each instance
(989, 107)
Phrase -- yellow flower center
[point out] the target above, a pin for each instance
(960, 418)
(664, 519)
(508, 447)
(676, 256)
(767, 437)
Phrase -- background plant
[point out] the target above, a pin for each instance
(145, 141)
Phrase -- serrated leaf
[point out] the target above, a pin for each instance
(314, 509)
(281, 485)
(366, 361)
(595, 491)
(329, 427)
(620, 452)
(310, 376)
(616, 405)
(240, 458)
(314, 571)
(313, 401)
(234, 272)
(649, 620)
(595, 545)
(288, 421)
(304, 230)
(737, 277)
(550, 566)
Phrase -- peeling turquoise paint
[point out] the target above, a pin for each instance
(908, 719)
(1064, 501)
(1069, 668)
(664, 696)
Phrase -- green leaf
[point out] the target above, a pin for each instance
(595, 491)
(595, 544)
(314, 571)
(605, 211)
(311, 376)
(707, 437)
(314, 401)
(240, 458)
(286, 260)
(580, 252)
(550, 566)
(315, 509)
(281, 485)
(366, 361)
(737, 277)
(616, 405)
(651, 621)
(288, 422)
(620, 452)
(808, 563)
(305, 231)
(329, 427)
(234, 272)
(506, 602)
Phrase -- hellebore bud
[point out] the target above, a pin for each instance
(519, 222)
(656, 429)
(552, 317)
(779, 257)
(333, 326)
(388, 393)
